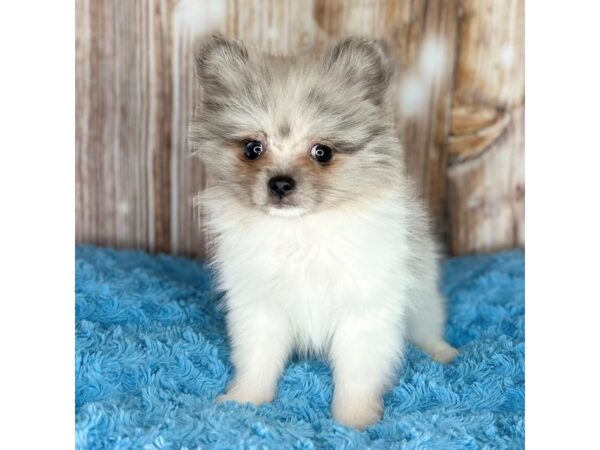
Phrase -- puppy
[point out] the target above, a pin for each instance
(320, 242)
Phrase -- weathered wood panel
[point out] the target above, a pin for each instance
(485, 201)
(136, 92)
(123, 110)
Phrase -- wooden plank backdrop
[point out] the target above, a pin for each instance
(458, 94)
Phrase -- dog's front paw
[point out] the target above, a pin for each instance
(357, 413)
(445, 353)
(242, 393)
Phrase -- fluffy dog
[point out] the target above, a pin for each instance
(321, 243)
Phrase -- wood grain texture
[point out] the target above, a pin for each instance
(136, 92)
(485, 202)
(123, 106)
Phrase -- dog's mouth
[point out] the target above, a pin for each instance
(282, 203)
(286, 211)
(284, 207)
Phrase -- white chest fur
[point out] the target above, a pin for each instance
(314, 269)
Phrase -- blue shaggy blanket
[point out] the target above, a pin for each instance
(152, 355)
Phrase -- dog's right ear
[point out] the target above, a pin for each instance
(220, 64)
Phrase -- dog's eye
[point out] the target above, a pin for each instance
(253, 149)
(321, 153)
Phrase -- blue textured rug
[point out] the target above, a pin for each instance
(152, 354)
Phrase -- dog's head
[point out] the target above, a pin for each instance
(295, 135)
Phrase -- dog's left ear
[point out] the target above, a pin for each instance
(363, 62)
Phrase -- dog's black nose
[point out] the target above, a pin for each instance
(282, 185)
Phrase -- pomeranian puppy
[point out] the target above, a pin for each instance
(320, 241)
